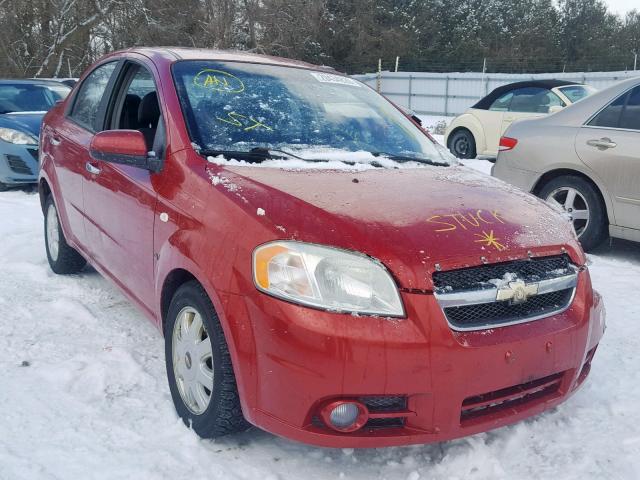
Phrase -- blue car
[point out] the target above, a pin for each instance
(23, 104)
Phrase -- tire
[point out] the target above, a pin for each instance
(63, 259)
(591, 231)
(220, 412)
(462, 144)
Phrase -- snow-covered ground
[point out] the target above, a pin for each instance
(84, 395)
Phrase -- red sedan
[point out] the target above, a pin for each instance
(318, 265)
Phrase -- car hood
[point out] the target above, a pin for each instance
(28, 122)
(413, 220)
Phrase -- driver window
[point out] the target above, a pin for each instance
(138, 107)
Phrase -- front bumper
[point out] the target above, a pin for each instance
(18, 164)
(455, 383)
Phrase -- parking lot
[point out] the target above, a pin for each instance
(85, 392)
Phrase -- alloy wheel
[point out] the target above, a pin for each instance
(574, 203)
(192, 360)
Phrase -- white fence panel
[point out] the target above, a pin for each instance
(450, 94)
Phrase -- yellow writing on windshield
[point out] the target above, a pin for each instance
(218, 80)
(242, 121)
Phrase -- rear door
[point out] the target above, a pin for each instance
(120, 199)
(610, 145)
(67, 141)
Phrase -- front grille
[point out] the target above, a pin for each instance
(17, 165)
(482, 314)
(393, 422)
(508, 401)
(506, 293)
(530, 270)
(385, 404)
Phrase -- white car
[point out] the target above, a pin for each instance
(477, 132)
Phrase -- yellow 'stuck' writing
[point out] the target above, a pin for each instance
(465, 221)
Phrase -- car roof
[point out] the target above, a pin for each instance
(487, 101)
(185, 53)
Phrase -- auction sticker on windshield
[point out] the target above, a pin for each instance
(331, 78)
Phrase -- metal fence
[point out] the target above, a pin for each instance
(450, 94)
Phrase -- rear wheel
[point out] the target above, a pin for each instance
(63, 259)
(580, 199)
(199, 369)
(462, 144)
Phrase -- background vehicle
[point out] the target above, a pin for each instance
(584, 159)
(324, 303)
(478, 130)
(23, 103)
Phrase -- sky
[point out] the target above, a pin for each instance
(622, 6)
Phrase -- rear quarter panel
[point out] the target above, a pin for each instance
(544, 147)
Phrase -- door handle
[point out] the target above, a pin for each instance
(602, 144)
(54, 141)
(92, 169)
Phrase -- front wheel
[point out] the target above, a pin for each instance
(580, 199)
(462, 144)
(199, 369)
(63, 259)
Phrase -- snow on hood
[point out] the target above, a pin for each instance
(452, 216)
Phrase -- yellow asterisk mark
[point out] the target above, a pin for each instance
(490, 240)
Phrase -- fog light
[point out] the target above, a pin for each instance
(345, 415)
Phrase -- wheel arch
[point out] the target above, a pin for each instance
(559, 172)
(44, 190)
(172, 282)
(240, 339)
(468, 122)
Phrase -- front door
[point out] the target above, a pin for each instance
(120, 200)
(610, 145)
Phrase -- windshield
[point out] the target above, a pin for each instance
(234, 106)
(576, 93)
(30, 97)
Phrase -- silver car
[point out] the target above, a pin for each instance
(584, 159)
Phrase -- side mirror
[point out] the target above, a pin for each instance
(127, 147)
(555, 108)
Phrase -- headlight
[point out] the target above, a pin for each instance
(326, 278)
(16, 136)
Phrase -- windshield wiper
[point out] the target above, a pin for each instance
(408, 158)
(255, 155)
(6, 111)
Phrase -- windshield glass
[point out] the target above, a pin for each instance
(576, 93)
(30, 97)
(239, 106)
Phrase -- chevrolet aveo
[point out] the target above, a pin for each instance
(319, 266)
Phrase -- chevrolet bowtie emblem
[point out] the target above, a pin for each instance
(517, 292)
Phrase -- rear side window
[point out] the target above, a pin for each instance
(610, 115)
(630, 118)
(89, 97)
(501, 104)
(533, 100)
